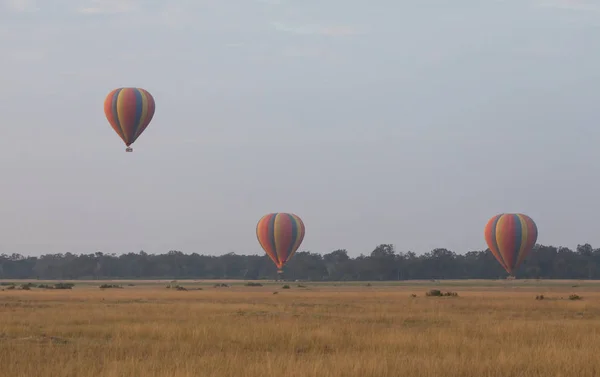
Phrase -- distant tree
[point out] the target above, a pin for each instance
(337, 265)
(383, 263)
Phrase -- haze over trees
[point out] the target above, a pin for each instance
(383, 263)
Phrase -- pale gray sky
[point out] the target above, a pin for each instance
(389, 121)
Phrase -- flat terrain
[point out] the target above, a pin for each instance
(492, 329)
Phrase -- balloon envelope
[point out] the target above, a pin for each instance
(129, 111)
(280, 235)
(510, 237)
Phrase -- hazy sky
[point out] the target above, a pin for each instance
(389, 121)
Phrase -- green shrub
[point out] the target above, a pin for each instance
(64, 285)
(438, 293)
(106, 286)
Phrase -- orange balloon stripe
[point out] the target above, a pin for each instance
(490, 238)
(507, 242)
(126, 109)
(282, 227)
(110, 115)
(262, 233)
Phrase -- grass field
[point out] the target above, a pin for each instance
(492, 329)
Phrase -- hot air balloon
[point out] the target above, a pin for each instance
(510, 237)
(129, 111)
(280, 235)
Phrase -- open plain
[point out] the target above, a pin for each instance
(491, 329)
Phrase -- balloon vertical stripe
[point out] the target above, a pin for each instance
(291, 250)
(280, 235)
(506, 239)
(146, 113)
(272, 244)
(298, 232)
(510, 238)
(530, 229)
(111, 113)
(139, 106)
(283, 228)
(490, 238)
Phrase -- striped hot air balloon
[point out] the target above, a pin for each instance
(129, 111)
(280, 235)
(510, 237)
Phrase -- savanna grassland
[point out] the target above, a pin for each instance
(492, 329)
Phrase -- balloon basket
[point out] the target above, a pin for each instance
(128, 149)
(279, 275)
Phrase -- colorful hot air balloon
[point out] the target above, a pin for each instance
(280, 235)
(129, 111)
(510, 237)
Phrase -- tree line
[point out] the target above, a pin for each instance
(383, 263)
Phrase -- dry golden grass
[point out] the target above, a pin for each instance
(320, 331)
